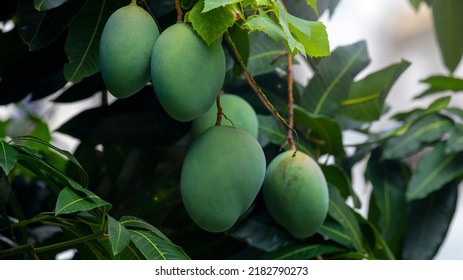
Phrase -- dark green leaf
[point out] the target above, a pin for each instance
(326, 90)
(320, 129)
(334, 231)
(379, 249)
(240, 38)
(365, 101)
(428, 223)
(387, 201)
(415, 3)
(302, 252)
(212, 24)
(86, 88)
(155, 248)
(119, 236)
(5, 191)
(426, 130)
(332, 6)
(43, 5)
(435, 169)
(264, 52)
(447, 23)
(337, 177)
(441, 84)
(455, 142)
(134, 222)
(71, 201)
(7, 157)
(84, 38)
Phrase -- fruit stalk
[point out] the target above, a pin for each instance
(289, 138)
(219, 111)
(178, 8)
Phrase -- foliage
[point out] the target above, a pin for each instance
(117, 195)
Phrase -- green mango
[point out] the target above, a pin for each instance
(125, 50)
(239, 113)
(221, 175)
(187, 74)
(296, 193)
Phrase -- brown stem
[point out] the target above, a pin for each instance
(289, 138)
(178, 8)
(219, 111)
(133, 2)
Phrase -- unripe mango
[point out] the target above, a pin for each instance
(125, 50)
(221, 175)
(187, 74)
(296, 193)
(238, 111)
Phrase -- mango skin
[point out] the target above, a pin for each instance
(237, 109)
(221, 175)
(187, 74)
(125, 50)
(296, 193)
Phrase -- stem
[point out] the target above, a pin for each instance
(289, 138)
(250, 79)
(133, 2)
(219, 111)
(178, 8)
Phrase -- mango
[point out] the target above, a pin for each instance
(238, 111)
(296, 193)
(125, 50)
(222, 173)
(187, 74)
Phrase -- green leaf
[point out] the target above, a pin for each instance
(134, 222)
(312, 35)
(119, 236)
(302, 252)
(323, 130)
(38, 28)
(428, 223)
(313, 5)
(435, 169)
(264, 51)
(337, 177)
(7, 157)
(264, 23)
(332, 230)
(240, 38)
(426, 130)
(415, 3)
(455, 142)
(332, 4)
(155, 248)
(441, 84)
(5, 191)
(344, 215)
(378, 248)
(387, 201)
(212, 24)
(83, 39)
(43, 5)
(365, 100)
(327, 89)
(212, 4)
(447, 25)
(71, 201)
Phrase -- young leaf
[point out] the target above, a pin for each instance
(155, 248)
(7, 157)
(447, 22)
(312, 35)
(264, 23)
(43, 5)
(212, 24)
(434, 170)
(302, 252)
(212, 4)
(366, 97)
(441, 84)
(84, 38)
(71, 201)
(119, 236)
(428, 223)
(326, 90)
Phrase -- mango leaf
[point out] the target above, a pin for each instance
(435, 169)
(426, 130)
(134, 222)
(264, 51)
(344, 215)
(7, 157)
(428, 223)
(447, 23)
(86, 88)
(71, 201)
(43, 5)
(212, 4)
(366, 97)
(337, 177)
(5, 190)
(294, 46)
(212, 24)
(312, 35)
(378, 248)
(302, 252)
(320, 128)
(332, 230)
(83, 39)
(455, 142)
(330, 86)
(387, 201)
(264, 23)
(38, 28)
(119, 236)
(155, 248)
(240, 37)
(441, 84)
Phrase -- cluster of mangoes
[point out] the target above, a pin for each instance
(225, 166)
